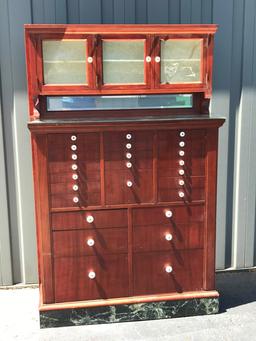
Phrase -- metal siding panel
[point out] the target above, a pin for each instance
(37, 7)
(61, 11)
(49, 12)
(141, 12)
(174, 11)
(73, 11)
(222, 14)
(107, 11)
(206, 12)
(185, 11)
(119, 11)
(158, 11)
(129, 11)
(90, 11)
(196, 11)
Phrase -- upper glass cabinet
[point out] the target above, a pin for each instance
(64, 61)
(181, 61)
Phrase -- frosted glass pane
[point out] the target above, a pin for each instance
(123, 62)
(180, 61)
(64, 61)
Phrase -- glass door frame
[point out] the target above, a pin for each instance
(148, 52)
(186, 86)
(90, 67)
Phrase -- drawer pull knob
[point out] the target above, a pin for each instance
(168, 213)
(75, 199)
(168, 269)
(74, 176)
(181, 153)
(90, 60)
(182, 144)
(128, 136)
(181, 182)
(181, 172)
(148, 59)
(181, 162)
(74, 147)
(89, 219)
(181, 194)
(157, 59)
(128, 155)
(182, 133)
(74, 157)
(128, 145)
(74, 167)
(90, 242)
(73, 138)
(168, 236)
(129, 183)
(75, 188)
(128, 164)
(91, 274)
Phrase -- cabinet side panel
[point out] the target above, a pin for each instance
(210, 209)
(40, 170)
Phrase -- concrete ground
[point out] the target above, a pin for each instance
(236, 321)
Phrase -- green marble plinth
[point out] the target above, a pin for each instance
(129, 312)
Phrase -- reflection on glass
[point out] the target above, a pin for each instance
(123, 62)
(64, 61)
(66, 103)
(180, 61)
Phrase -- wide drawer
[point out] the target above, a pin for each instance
(184, 214)
(89, 219)
(159, 237)
(151, 276)
(90, 242)
(72, 281)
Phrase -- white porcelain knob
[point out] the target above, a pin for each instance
(91, 274)
(182, 144)
(182, 134)
(181, 162)
(75, 188)
(168, 213)
(168, 269)
(148, 59)
(128, 136)
(181, 182)
(89, 60)
(181, 153)
(74, 176)
(74, 147)
(181, 194)
(73, 138)
(129, 183)
(74, 157)
(128, 164)
(75, 199)
(90, 242)
(128, 145)
(157, 59)
(181, 172)
(74, 167)
(128, 155)
(89, 219)
(168, 236)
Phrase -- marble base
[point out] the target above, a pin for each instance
(129, 312)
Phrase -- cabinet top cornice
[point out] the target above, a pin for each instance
(121, 28)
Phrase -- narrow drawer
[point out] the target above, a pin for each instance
(150, 275)
(90, 242)
(161, 215)
(72, 282)
(149, 238)
(89, 219)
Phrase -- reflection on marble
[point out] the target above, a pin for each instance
(129, 312)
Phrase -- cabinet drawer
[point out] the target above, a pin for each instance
(78, 220)
(162, 237)
(157, 215)
(90, 242)
(150, 274)
(72, 282)
(85, 198)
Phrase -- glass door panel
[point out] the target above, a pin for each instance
(123, 62)
(64, 61)
(181, 61)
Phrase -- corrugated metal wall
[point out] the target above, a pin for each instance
(234, 98)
